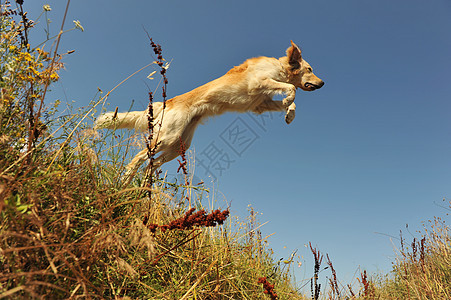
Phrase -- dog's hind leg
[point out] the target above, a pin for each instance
(168, 153)
(164, 157)
(142, 156)
(169, 145)
(137, 161)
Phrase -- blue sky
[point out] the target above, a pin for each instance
(366, 155)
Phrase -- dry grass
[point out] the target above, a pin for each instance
(423, 269)
(70, 227)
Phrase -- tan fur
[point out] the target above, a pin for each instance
(249, 87)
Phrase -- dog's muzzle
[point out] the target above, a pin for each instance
(311, 86)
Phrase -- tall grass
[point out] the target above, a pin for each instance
(423, 269)
(70, 227)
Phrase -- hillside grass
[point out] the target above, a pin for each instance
(71, 226)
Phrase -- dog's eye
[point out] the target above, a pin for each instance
(310, 69)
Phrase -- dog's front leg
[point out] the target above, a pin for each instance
(272, 86)
(269, 105)
(291, 112)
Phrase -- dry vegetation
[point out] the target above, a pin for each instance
(71, 227)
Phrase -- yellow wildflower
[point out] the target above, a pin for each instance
(54, 76)
(33, 70)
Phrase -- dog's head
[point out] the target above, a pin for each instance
(300, 72)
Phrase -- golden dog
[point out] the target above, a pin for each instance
(249, 87)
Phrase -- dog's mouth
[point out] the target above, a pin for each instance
(311, 86)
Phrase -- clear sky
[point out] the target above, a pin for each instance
(366, 155)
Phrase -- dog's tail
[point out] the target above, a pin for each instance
(131, 120)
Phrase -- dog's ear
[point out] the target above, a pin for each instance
(294, 56)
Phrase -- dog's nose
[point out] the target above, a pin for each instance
(315, 86)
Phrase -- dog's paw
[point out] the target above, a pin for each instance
(291, 113)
